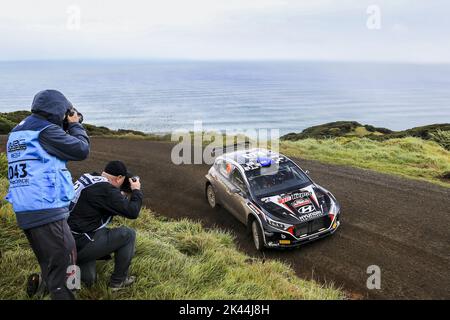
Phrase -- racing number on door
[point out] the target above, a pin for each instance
(17, 171)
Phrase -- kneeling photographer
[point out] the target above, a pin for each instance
(98, 198)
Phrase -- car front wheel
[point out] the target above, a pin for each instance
(211, 196)
(258, 239)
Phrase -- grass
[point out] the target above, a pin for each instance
(407, 157)
(174, 260)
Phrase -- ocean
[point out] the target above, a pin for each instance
(161, 96)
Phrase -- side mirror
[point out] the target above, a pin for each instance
(307, 172)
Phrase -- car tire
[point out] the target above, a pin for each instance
(211, 197)
(257, 235)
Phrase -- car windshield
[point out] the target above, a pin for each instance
(269, 180)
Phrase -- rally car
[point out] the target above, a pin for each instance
(277, 201)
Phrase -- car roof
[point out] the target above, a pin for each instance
(250, 158)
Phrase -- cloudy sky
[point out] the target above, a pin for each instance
(375, 30)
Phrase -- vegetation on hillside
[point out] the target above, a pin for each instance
(337, 129)
(408, 157)
(436, 132)
(418, 153)
(8, 120)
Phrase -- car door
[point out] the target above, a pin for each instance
(238, 200)
(222, 183)
(217, 180)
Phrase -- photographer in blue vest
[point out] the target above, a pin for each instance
(41, 188)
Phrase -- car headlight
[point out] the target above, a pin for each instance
(334, 208)
(277, 224)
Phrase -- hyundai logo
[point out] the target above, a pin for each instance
(306, 209)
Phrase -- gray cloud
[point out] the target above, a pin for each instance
(411, 31)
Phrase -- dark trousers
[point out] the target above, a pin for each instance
(120, 241)
(54, 247)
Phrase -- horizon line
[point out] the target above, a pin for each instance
(134, 59)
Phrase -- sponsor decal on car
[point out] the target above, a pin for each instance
(300, 202)
(310, 216)
(303, 202)
(294, 196)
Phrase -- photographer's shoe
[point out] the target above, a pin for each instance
(125, 283)
(36, 287)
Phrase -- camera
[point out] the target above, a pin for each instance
(70, 112)
(126, 187)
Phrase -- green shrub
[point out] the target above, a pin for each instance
(442, 138)
(6, 125)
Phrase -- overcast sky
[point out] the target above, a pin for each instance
(408, 30)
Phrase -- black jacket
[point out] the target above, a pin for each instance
(100, 201)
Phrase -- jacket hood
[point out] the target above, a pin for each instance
(52, 105)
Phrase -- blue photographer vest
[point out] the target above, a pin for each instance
(40, 186)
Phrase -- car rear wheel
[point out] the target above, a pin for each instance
(258, 239)
(211, 196)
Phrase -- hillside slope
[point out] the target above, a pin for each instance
(356, 129)
(174, 260)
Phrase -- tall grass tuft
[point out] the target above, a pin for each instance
(441, 137)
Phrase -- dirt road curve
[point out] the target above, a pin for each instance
(402, 226)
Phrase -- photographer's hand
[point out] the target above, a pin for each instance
(135, 185)
(73, 118)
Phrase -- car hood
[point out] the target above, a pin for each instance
(295, 206)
